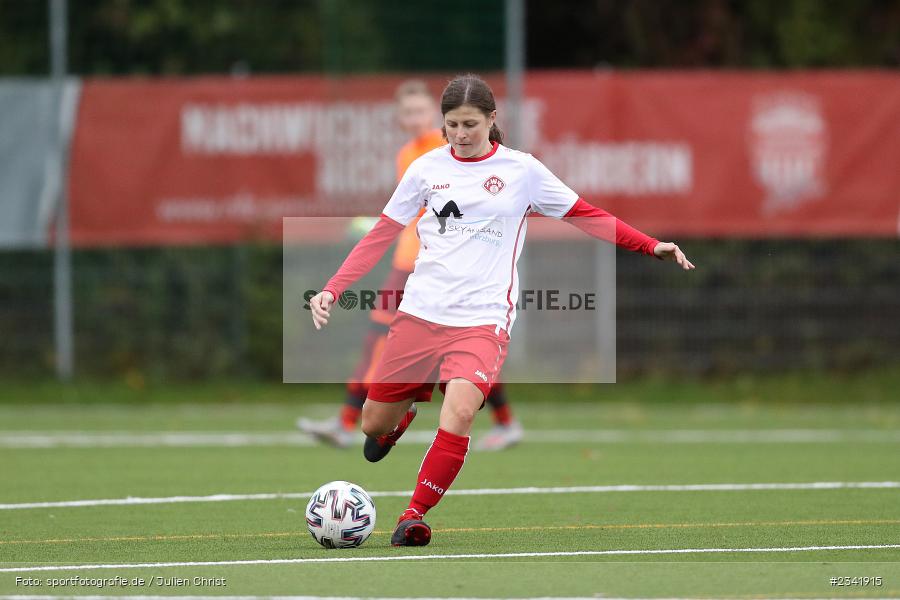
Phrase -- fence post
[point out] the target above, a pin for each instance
(62, 255)
(515, 68)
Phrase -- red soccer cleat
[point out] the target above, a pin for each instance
(411, 530)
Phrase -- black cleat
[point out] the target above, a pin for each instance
(412, 532)
(377, 448)
(373, 451)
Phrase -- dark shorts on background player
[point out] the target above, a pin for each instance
(419, 354)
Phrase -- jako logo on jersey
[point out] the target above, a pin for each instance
(482, 375)
(441, 186)
(449, 209)
(428, 484)
(494, 185)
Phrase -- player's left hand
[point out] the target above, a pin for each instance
(671, 251)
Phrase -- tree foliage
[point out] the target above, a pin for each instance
(714, 33)
(184, 37)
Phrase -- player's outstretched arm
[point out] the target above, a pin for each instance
(671, 251)
(320, 306)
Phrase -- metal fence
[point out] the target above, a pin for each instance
(751, 305)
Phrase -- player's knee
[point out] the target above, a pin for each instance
(369, 426)
(462, 413)
(373, 426)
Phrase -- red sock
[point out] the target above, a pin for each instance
(442, 463)
(350, 416)
(502, 415)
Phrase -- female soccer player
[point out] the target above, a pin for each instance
(416, 115)
(457, 311)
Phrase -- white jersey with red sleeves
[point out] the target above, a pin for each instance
(472, 231)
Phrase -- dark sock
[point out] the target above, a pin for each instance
(499, 406)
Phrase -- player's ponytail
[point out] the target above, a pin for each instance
(496, 135)
(472, 90)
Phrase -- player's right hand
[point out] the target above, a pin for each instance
(671, 251)
(320, 306)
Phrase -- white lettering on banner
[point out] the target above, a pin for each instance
(241, 208)
(347, 171)
(629, 168)
(247, 128)
(353, 142)
(288, 128)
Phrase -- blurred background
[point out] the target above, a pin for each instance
(150, 148)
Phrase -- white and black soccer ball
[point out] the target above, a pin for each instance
(340, 514)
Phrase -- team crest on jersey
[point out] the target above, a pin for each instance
(494, 185)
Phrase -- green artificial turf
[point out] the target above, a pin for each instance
(463, 525)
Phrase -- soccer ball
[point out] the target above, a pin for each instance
(340, 515)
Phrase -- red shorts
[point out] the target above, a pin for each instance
(420, 353)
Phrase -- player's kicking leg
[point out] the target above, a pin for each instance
(383, 424)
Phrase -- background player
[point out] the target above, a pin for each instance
(417, 114)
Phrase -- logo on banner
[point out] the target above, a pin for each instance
(789, 141)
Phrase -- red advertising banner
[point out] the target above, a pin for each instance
(693, 154)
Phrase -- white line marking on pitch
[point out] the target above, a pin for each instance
(584, 489)
(296, 561)
(23, 597)
(238, 439)
(45, 597)
(35, 597)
